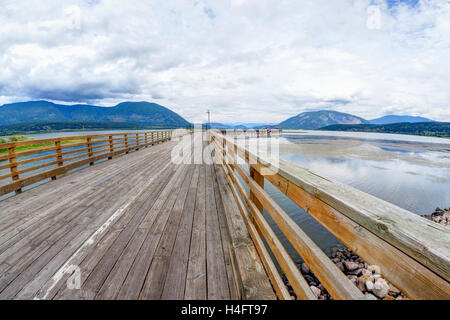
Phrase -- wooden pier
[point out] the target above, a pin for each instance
(139, 226)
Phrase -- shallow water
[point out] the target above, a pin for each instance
(409, 171)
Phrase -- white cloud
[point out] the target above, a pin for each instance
(245, 60)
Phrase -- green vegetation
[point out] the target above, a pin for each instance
(30, 146)
(13, 139)
(433, 129)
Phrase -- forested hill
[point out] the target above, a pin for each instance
(140, 113)
(437, 129)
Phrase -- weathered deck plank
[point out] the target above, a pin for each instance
(196, 276)
(177, 270)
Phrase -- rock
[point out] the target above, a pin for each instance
(361, 286)
(389, 298)
(369, 285)
(374, 268)
(354, 272)
(340, 265)
(351, 266)
(305, 268)
(351, 276)
(370, 296)
(316, 291)
(365, 271)
(376, 276)
(362, 281)
(393, 291)
(380, 288)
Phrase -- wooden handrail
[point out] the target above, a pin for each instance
(92, 148)
(412, 252)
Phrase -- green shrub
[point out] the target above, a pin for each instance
(17, 138)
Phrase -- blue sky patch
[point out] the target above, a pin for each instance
(394, 3)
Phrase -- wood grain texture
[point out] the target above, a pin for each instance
(254, 282)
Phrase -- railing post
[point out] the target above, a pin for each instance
(259, 179)
(13, 168)
(126, 142)
(111, 146)
(153, 138)
(58, 155)
(223, 149)
(90, 152)
(146, 139)
(137, 141)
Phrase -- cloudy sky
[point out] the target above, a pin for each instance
(245, 60)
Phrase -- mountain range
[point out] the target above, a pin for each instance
(140, 113)
(152, 114)
(318, 119)
(428, 128)
(399, 119)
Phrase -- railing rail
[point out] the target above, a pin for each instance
(56, 158)
(413, 253)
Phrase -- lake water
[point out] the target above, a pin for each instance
(411, 172)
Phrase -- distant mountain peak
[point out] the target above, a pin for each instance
(393, 118)
(317, 119)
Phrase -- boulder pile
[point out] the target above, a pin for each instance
(441, 216)
(366, 277)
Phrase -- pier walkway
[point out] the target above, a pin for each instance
(135, 227)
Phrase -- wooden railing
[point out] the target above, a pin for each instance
(258, 133)
(413, 253)
(56, 158)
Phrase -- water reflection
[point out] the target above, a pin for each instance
(413, 175)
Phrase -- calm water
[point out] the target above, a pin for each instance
(409, 171)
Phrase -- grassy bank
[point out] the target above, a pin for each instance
(31, 146)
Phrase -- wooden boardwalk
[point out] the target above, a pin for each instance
(134, 227)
